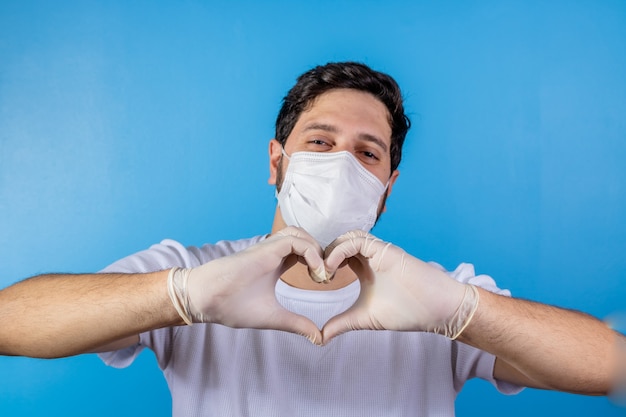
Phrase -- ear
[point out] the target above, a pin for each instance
(392, 180)
(275, 153)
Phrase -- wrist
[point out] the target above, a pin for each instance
(461, 313)
(177, 289)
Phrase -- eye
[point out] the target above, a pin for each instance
(318, 143)
(369, 157)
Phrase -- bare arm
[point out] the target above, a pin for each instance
(535, 344)
(52, 316)
(542, 346)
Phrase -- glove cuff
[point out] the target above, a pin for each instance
(459, 320)
(177, 290)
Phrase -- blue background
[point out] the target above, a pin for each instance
(123, 123)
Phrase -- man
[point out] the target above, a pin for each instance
(319, 274)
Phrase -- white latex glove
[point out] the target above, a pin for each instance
(239, 290)
(398, 292)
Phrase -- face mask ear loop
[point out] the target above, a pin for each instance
(282, 150)
(387, 186)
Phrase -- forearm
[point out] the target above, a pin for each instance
(552, 348)
(62, 315)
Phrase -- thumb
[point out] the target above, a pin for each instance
(297, 324)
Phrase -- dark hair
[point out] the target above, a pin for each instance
(354, 75)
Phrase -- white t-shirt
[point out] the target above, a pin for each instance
(213, 370)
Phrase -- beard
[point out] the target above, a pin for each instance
(279, 174)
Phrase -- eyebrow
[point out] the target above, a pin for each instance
(333, 129)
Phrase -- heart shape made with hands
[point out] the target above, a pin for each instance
(353, 250)
(398, 292)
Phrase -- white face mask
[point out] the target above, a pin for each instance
(329, 194)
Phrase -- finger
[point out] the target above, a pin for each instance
(299, 233)
(298, 242)
(348, 246)
(343, 238)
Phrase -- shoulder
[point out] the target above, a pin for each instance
(466, 274)
(169, 253)
(207, 252)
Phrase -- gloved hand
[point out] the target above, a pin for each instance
(239, 290)
(398, 292)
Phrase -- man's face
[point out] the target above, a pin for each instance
(341, 120)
